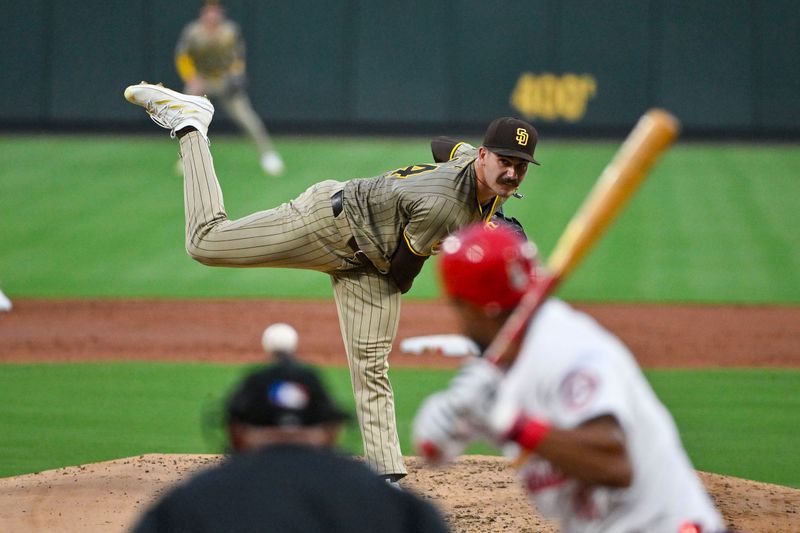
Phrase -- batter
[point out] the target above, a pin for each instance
(601, 453)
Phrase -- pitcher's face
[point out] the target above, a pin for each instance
(502, 174)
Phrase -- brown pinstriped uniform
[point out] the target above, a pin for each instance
(214, 56)
(420, 204)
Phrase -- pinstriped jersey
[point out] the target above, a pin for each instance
(213, 54)
(421, 204)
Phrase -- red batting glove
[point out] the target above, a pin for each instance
(429, 451)
(528, 432)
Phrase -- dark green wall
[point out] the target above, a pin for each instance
(725, 67)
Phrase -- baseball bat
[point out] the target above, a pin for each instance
(650, 138)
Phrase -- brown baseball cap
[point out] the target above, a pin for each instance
(511, 137)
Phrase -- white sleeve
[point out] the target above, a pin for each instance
(567, 372)
(589, 388)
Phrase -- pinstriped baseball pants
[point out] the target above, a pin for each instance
(304, 233)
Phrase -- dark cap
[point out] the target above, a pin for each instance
(283, 395)
(511, 137)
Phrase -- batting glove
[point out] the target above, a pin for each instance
(440, 432)
(474, 390)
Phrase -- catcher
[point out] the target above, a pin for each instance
(601, 453)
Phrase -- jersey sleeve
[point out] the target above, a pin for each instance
(463, 149)
(446, 148)
(567, 372)
(432, 219)
(238, 65)
(588, 389)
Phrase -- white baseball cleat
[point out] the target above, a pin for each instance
(170, 109)
(272, 163)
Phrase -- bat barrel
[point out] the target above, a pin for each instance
(652, 135)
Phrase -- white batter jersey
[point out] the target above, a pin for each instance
(571, 370)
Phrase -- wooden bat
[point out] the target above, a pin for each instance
(653, 134)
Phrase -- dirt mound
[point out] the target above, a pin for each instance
(477, 494)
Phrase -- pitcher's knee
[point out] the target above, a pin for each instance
(205, 256)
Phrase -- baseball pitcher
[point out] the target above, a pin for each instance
(371, 236)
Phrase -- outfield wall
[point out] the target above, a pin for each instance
(725, 67)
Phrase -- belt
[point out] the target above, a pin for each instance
(336, 205)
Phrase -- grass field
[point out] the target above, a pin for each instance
(732, 421)
(102, 217)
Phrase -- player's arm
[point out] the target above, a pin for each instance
(582, 434)
(427, 225)
(405, 265)
(185, 66)
(183, 60)
(594, 452)
(236, 78)
(446, 148)
(238, 66)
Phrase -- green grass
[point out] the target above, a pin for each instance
(734, 422)
(103, 217)
(55, 415)
(737, 422)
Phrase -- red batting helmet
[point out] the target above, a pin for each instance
(489, 266)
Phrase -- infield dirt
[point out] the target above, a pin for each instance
(478, 494)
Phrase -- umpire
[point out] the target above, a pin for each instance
(284, 474)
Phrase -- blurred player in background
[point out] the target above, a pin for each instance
(600, 452)
(370, 235)
(284, 473)
(210, 57)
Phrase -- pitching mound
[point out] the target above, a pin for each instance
(478, 494)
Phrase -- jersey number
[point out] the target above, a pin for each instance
(411, 170)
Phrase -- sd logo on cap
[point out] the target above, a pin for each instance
(512, 137)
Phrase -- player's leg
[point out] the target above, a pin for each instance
(238, 106)
(171, 109)
(368, 304)
(301, 233)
